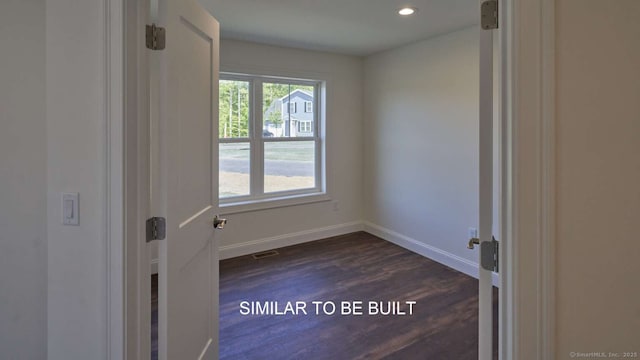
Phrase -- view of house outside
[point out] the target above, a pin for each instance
(288, 112)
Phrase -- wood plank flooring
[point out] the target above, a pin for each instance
(359, 266)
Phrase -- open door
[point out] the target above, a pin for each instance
(186, 188)
(488, 245)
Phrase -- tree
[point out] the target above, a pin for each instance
(233, 109)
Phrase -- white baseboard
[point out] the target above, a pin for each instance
(443, 257)
(250, 247)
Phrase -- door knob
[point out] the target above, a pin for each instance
(219, 223)
(476, 241)
(473, 241)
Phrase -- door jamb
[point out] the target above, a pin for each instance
(124, 204)
(527, 299)
(137, 167)
(114, 173)
(527, 285)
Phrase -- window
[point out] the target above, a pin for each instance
(304, 126)
(269, 151)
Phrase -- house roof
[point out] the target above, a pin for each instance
(305, 95)
(285, 99)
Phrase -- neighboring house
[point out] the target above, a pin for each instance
(290, 115)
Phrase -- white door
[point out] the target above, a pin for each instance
(486, 183)
(188, 182)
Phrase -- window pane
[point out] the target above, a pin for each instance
(289, 165)
(234, 170)
(234, 109)
(288, 110)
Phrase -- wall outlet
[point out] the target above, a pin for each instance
(473, 232)
(336, 205)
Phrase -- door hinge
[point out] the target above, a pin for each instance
(489, 14)
(489, 255)
(156, 228)
(155, 37)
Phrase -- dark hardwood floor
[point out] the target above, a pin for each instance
(358, 266)
(354, 267)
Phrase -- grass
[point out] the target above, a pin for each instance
(234, 184)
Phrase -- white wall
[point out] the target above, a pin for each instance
(598, 176)
(421, 152)
(598, 171)
(261, 230)
(23, 240)
(75, 107)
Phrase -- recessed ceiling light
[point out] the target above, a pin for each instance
(407, 11)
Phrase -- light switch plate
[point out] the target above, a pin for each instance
(70, 215)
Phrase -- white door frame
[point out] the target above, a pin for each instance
(114, 172)
(528, 217)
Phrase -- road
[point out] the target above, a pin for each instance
(272, 167)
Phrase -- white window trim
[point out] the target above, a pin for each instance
(304, 126)
(308, 106)
(258, 200)
(273, 202)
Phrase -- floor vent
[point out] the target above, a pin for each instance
(264, 254)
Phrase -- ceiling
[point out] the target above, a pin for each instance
(355, 27)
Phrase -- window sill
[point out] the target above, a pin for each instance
(272, 203)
